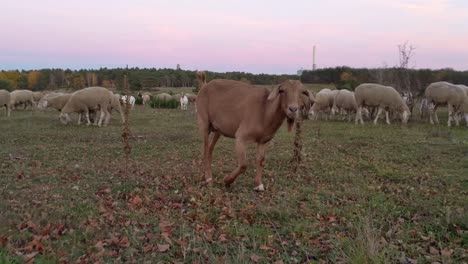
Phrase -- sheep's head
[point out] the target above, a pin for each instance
(64, 118)
(42, 104)
(291, 94)
(405, 114)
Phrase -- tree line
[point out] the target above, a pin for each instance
(52, 79)
(343, 77)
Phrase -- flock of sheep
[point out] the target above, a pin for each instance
(370, 100)
(91, 104)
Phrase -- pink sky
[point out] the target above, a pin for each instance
(255, 36)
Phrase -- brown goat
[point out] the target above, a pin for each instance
(249, 114)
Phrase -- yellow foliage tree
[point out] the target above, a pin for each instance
(33, 78)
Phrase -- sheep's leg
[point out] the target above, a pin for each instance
(387, 117)
(95, 118)
(377, 116)
(8, 109)
(450, 115)
(436, 118)
(242, 159)
(103, 116)
(87, 117)
(79, 119)
(358, 115)
(260, 163)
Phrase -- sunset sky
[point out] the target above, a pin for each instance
(257, 36)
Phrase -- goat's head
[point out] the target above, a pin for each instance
(291, 94)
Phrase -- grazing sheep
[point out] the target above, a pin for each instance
(306, 102)
(192, 98)
(115, 105)
(131, 100)
(164, 96)
(54, 100)
(464, 87)
(345, 103)
(177, 96)
(5, 99)
(386, 98)
(146, 98)
(323, 103)
(183, 102)
(37, 96)
(425, 108)
(444, 93)
(408, 98)
(84, 100)
(22, 97)
(247, 113)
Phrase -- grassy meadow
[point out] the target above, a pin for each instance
(363, 194)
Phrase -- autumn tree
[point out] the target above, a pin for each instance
(33, 79)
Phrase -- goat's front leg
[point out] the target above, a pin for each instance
(260, 162)
(242, 167)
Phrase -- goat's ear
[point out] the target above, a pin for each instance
(273, 94)
(310, 95)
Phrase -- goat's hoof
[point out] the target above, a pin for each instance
(259, 188)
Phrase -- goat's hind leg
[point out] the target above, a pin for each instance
(242, 159)
(212, 139)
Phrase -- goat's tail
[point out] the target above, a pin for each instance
(201, 79)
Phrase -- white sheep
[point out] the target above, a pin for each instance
(183, 102)
(444, 93)
(54, 100)
(5, 99)
(425, 108)
(84, 100)
(130, 99)
(37, 96)
(386, 98)
(323, 103)
(114, 105)
(345, 103)
(164, 96)
(22, 97)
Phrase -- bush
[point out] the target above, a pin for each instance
(158, 103)
(4, 84)
(138, 100)
(349, 85)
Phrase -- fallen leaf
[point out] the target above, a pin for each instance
(124, 242)
(433, 251)
(29, 257)
(165, 235)
(278, 262)
(254, 258)
(163, 248)
(446, 252)
(137, 200)
(148, 248)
